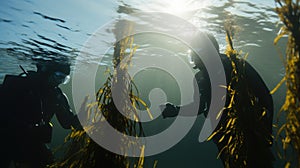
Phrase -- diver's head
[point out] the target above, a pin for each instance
(54, 73)
(202, 42)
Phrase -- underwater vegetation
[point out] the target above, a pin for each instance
(81, 150)
(289, 132)
(243, 136)
(244, 115)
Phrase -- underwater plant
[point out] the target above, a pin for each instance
(81, 150)
(289, 132)
(242, 136)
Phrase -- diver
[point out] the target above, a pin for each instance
(256, 137)
(28, 103)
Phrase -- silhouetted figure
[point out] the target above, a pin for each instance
(257, 138)
(28, 103)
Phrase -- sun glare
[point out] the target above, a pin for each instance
(177, 6)
(180, 7)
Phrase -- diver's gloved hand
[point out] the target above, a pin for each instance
(169, 110)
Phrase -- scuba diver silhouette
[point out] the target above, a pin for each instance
(28, 103)
(256, 137)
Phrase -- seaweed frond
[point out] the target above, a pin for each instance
(81, 150)
(241, 135)
(289, 133)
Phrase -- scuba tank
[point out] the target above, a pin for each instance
(22, 107)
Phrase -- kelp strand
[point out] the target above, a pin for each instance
(288, 133)
(81, 150)
(241, 116)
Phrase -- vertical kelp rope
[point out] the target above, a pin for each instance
(241, 114)
(289, 132)
(83, 152)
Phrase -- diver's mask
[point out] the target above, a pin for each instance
(60, 78)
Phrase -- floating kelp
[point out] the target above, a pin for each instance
(243, 135)
(82, 151)
(289, 132)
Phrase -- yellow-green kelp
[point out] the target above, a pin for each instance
(289, 132)
(242, 136)
(81, 151)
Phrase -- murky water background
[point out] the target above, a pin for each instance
(57, 30)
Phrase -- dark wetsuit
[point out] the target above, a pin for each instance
(27, 106)
(253, 134)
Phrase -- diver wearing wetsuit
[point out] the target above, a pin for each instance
(28, 103)
(256, 137)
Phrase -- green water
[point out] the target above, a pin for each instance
(257, 26)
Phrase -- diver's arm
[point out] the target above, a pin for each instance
(64, 114)
(202, 105)
(187, 110)
(202, 85)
